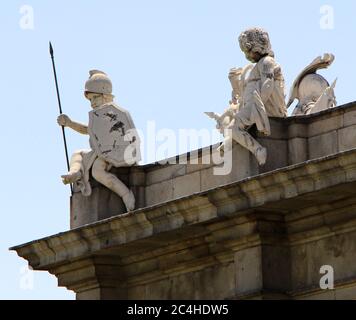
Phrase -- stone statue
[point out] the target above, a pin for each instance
(313, 91)
(258, 93)
(113, 139)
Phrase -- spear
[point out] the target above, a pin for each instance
(60, 107)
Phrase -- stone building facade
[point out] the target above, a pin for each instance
(257, 233)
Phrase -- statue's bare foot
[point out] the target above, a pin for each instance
(71, 177)
(129, 201)
(261, 155)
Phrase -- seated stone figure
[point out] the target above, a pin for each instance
(256, 96)
(108, 128)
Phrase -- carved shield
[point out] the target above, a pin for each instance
(113, 135)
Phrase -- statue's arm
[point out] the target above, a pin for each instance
(267, 78)
(79, 127)
(65, 121)
(236, 83)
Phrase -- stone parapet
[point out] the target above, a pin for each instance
(293, 140)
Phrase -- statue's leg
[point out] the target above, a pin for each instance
(100, 173)
(74, 173)
(239, 133)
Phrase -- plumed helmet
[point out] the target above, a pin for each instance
(98, 82)
(311, 88)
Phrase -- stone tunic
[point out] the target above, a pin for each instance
(256, 111)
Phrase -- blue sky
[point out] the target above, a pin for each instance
(168, 61)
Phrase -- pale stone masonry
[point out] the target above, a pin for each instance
(259, 232)
(293, 140)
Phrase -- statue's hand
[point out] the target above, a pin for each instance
(63, 120)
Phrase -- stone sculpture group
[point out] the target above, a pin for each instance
(258, 93)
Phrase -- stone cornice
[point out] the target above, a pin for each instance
(189, 217)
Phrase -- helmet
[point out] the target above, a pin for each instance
(98, 82)
(311, 88)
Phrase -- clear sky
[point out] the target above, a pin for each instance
(168, 61)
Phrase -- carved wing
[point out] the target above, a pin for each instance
(318, 63)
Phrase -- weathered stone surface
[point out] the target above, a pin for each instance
(186, 185)
(264, 237)
(325, 124)
(297, 130)
(100, 205)
(297, 150)
(159, 192)
(349, 118)
(165, 173)
(215, 282)
(277, 156)
(279, 129)
(249, 277)
(323, 145)
(347, 138)
(346, 293)
(243, 165)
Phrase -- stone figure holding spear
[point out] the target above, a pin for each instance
(113, 139)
